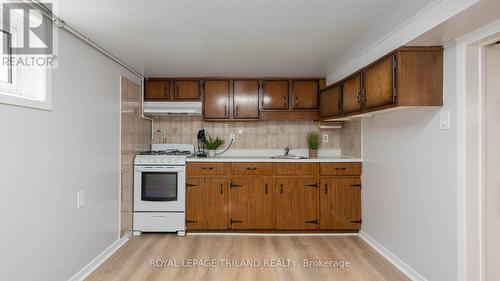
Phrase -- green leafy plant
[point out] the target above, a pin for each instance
(213, 144)
(313, 140)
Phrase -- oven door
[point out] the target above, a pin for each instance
(159, 188)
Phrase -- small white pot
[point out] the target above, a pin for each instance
(211, 153)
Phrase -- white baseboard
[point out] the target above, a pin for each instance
(406, 269)
(100, 259)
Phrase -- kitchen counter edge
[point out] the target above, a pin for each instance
(265, 159)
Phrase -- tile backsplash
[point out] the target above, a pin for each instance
(261, 134)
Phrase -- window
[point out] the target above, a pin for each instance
(24, 80)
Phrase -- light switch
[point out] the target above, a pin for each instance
(325, 138)
(80, 198)
(444, 120)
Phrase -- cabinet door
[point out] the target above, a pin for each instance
(330, 101)
(251, 202)
(216, 99)
(379, 84)
(351, 89)
(296, 203)
(195, 213)
(246, 99)
(305, 94)
(214, 203)
(187, 90)
(340, 203)
(157, 90)
(275, 94)
(206, 204)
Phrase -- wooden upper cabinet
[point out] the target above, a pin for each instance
(330, 101)
(187, 90)
(351, 89)
(216, 99)
(246, 99)
(275, 94)
(157, 90)
(380, 86)
(305, 94)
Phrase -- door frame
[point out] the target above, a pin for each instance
(470, 84)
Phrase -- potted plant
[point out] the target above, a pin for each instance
(212, 144)
(313, 143)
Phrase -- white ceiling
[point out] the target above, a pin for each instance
(235, 37)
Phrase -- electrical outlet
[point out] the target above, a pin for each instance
(80, 195)
(232, 137)
(325, 138)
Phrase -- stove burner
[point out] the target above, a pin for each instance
(173, 152)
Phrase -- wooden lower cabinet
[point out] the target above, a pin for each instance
(251, 203)
(206, 204)
(340, 203)
(273, 196)
(296, 203)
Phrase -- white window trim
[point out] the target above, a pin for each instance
(10, 92)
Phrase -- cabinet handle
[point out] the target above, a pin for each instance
(237, 110)
(341, 168)
(207, 168)
(221, 189)
(296, 100)
(225, 110)
(265, 189)
(281, 190)
(251, 168)
(326, 188)
(177, 91)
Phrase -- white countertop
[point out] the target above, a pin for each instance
(222, 158)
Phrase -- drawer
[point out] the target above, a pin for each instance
(340, 169)
(206, 169)
(252, 168)
(296, 168)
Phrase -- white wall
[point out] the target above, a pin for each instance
(409, 192)
(47, 156)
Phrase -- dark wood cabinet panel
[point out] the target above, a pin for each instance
(330, 101)
(340, 169)
(196, 169)
(187, 90)
(296, 203)
(251, 168)
(379, 83)
(290, 168)
(216, 99)
(195, 213)
(340, 203)
(246, 99)
(351, 89)
(157, 90)
(305, 94)
(275, 94)
(251, 202)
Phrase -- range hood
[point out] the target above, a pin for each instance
(178, 107)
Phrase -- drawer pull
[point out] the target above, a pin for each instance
(341, 168)
(190, 184)
(265, 189)
(233, 185)
(235, 221)
(312, 185)
(355, 185)
(312, 221)
(251, 168)
(360, 221)
(326, 188)
(207, 168)
(281, 189)
(191, 221)
(221, 188)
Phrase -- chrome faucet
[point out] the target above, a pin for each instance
(287, 150)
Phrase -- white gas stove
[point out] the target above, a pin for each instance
(160, 188)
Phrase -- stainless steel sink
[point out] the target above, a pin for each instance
(288, 157)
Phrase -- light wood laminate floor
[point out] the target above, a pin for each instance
(272, 258)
